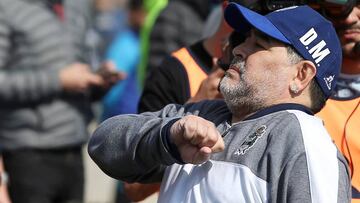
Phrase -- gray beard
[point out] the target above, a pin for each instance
(241, 98)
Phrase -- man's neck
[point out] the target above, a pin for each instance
(240, 113)
(351, 66)
(240, 116)
(244, 112)
(271, 109)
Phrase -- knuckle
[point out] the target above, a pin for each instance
(213, 138)
(211, 125)
(190, 126)
(201, 134)
(211, 142)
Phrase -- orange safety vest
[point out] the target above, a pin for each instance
(342, 121)
(194, 72)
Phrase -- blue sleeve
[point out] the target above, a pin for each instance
(124, 96)
(124, 51)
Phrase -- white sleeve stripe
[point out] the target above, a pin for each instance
(321, 156)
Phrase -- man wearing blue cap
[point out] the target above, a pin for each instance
(262, 144)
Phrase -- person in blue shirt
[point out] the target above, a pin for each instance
(124, 52)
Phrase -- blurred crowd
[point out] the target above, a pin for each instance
(60, 59)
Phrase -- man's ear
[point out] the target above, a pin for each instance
(305, 72)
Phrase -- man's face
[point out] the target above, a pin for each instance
(258, 76)
(349, 32)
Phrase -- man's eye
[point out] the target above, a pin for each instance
(259, 45)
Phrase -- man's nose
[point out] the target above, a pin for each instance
(353, 17)
(241, 51)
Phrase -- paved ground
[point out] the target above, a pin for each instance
(100, 188)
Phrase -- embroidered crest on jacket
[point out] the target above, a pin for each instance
(250, 140)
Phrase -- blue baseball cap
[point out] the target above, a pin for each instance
(301, 27)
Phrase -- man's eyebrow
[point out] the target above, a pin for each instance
(262, 36)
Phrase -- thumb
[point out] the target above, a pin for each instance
(202, 156)
(215, 61)
(95, 79)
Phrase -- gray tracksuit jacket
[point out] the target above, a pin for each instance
(280, 154)
(34, 46)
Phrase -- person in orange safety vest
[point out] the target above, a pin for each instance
(341, 114)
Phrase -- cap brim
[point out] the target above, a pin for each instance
(243, 19)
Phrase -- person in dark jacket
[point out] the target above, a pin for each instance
(180, 24)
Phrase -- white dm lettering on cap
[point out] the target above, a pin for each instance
(317, 52)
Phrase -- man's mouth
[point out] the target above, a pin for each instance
(234, 68)
(350, 34)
